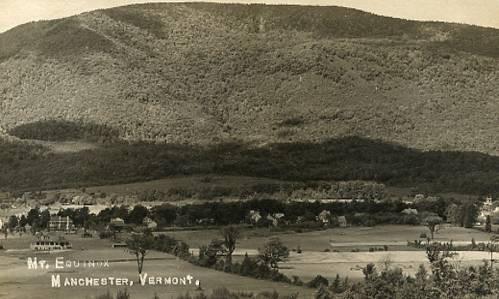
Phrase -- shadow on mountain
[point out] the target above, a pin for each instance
(62, 130)
(30, 166)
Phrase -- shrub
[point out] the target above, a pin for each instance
(317, 282)
(296, 280)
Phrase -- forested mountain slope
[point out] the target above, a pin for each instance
(209, 73)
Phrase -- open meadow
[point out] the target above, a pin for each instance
(17, 281)
(336, 238)
(329, 252)
(342, 251)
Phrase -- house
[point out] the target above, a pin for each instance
(410, 211)
(279, 217)
(149, 223)
(324, 217)
(4, 196)
(342, 221)
(254, 216)
(487, 204)
(487, 209)
(274, 221)
(419, 197)
(58, 223)
(117, 222)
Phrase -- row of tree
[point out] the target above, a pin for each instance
(300, 214)
(217, 254)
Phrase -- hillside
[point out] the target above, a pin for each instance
(200, 74)
(31, 166)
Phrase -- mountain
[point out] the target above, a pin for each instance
(206, 73)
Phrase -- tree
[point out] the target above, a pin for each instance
(164, 214)
(181, 220)
(323, 293)
(273, 252)
(13, 222)
(432, 222)
(138, 245)
(318, 281)
(470, 211)
(23, 221)
(248, 266)
(488, 224)
(336, 285)
(209, 255)
(137, 215)
(33, 216)
(492, 247)
(44, 219)
(230, 235)
(81, 217)
(453, 214)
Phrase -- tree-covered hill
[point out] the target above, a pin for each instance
(27, 166)
(200, 74)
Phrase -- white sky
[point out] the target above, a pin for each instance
(478, 12)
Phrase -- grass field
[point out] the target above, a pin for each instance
(15, 278)
(309, 264)
(16, 281)
(391, 235)
(314, 260)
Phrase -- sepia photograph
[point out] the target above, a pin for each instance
(237, 149)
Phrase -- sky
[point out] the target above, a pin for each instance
(477, 12)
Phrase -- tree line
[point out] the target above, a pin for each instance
(296, 215)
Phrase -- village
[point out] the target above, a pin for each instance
(99, 214)
(317, 234)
